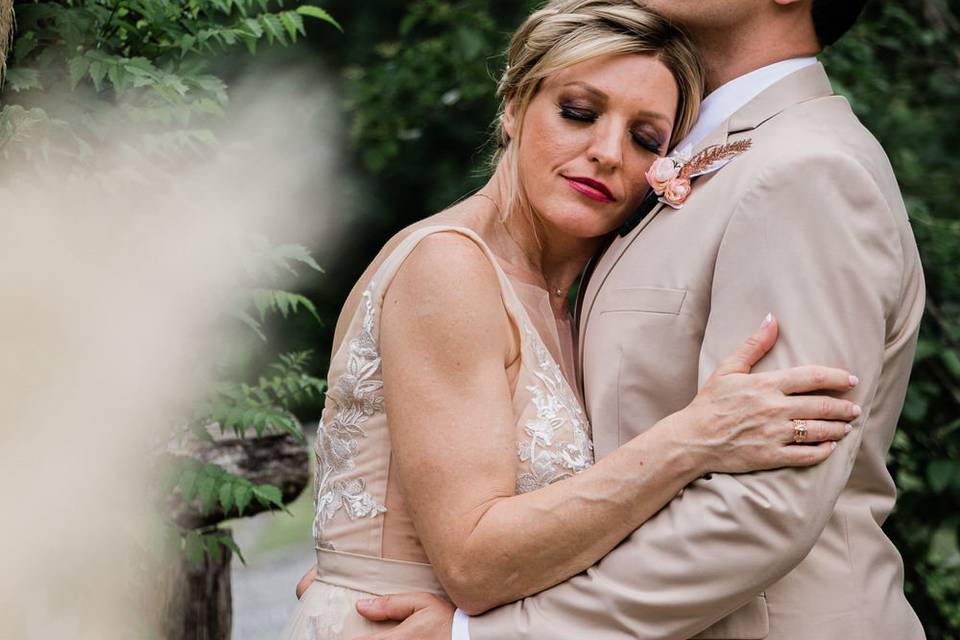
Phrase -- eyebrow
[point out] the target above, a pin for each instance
(589, 88)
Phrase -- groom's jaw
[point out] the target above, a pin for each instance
(736, 37)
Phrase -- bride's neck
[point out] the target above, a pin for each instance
(550, 257)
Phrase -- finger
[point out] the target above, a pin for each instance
(818, 431)
(306, 581)
(752, 349)
(804, 455)
(821, 408)
(807, 379)
(394, 607)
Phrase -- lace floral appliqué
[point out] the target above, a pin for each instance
(358, 395)
(551, 458)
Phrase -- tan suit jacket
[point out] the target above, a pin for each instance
(808, 224)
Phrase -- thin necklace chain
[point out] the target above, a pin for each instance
(557, 292)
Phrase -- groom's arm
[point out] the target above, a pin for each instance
(814, 242)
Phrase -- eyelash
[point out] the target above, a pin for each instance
(587, 117)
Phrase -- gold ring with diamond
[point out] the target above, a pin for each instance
(799, 431)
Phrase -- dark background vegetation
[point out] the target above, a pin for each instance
(415, 86)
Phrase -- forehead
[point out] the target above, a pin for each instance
(638, 80)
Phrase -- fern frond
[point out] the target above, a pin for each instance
(713, 154)
(284, 302)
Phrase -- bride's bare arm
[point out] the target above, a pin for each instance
(447, 344)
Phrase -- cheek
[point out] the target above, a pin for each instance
(636, 177)
(545, 147)
(548, 143)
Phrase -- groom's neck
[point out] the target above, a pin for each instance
(729, 54)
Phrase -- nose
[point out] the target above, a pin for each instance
(606, 144)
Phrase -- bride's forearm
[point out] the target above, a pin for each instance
(526, 543)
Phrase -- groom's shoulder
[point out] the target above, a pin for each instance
(818, 134)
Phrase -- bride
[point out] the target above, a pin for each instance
(453, 453)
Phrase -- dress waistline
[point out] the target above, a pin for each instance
(377, 576)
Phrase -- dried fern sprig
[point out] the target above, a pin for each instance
(712, 155)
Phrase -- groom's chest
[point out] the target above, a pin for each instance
(645, 312)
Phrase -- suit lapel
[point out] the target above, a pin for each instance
(608, 260)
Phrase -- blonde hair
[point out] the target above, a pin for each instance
(566, 32)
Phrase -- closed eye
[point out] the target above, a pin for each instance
(650, 145)
(577, 114)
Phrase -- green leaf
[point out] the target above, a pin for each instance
(77, 68)
(293, 23)
(25, 44)
(214, 470)
(255, 29)
(212, 545)
(267, 495)
(229, 542)
(187, 42)
(98, 71)
(273, 28)
(226, 496)
(22, 79)
(187, 485)
(206, 490)
(193, 548)
(297, 253)
(242, 494)
(319, 14)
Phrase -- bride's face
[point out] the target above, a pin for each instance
(589, 136)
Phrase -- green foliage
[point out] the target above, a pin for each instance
(152, 58)
(263, 406)
(263, 261)
(209, 485)
(435, 61)
(899, 68)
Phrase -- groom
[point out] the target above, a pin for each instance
(807, 224)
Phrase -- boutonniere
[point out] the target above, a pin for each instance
(670, 177)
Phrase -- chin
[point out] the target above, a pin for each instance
(587, 222)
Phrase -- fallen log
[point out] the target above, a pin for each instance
(277, 459)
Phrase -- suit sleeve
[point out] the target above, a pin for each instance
(814, 242)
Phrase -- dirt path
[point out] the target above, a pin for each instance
(263, 592)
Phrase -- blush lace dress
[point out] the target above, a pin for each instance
(365, 540)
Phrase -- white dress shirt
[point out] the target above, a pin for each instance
(714, 111)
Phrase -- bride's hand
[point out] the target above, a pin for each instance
(742, 421)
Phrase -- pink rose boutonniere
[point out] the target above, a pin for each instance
(671, 177)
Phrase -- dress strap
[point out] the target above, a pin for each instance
(388, 270)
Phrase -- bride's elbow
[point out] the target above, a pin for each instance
(471, 589)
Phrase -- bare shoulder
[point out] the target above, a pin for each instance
(446, 298)
(450, 257)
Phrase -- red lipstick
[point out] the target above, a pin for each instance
(593, 189)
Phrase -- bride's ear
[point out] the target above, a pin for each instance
(508, 121)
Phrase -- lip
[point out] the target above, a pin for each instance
(593, 189)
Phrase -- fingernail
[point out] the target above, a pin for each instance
(767, 321)
(366, 603)
(854, 381)
(848, 428)
(857, 410)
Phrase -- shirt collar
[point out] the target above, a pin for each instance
(729, 98)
